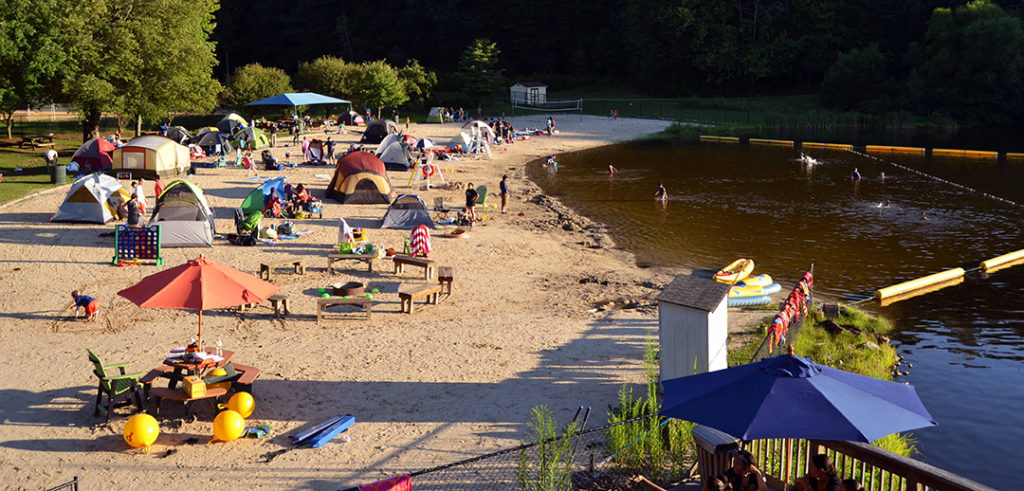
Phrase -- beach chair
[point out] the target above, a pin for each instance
(114, 386)
(482, 200)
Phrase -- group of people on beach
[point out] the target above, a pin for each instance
(133, 209)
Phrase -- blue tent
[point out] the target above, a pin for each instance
(793, 397)
(256, 201)
(297, 99)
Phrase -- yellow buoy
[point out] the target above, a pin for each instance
(141, 430)
(766, 141)
(925, 282)
(888, 148)
(1004, 261)
(833, 146)
(963, 153)
(920, 291)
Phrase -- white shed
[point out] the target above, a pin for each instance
(532, 93)
(693, 326)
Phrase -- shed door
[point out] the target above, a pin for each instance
(534, 94)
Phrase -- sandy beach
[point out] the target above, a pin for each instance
(449, 382)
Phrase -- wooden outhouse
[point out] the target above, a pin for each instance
(693, 326)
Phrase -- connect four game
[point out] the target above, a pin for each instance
(137, 244)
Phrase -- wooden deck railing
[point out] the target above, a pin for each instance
(785, 460)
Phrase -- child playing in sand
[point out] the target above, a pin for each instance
(91, 305)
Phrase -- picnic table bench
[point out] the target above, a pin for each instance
(428, 265)
(409, 292)
(267, 269)
(333, 258)
(278, 301)
(323, 303)
(161, 393)
(445, 278)
(36, 141)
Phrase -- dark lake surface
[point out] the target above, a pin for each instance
(966, 342)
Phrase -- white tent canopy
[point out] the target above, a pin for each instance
(93, 198)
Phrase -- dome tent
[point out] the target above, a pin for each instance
(360, 177)
(180, 135)
(184, 216)
(377, 130)
(351, 118)
(397, 157)
(407, 212)
(93, 198)
(151, 156)
(93, 155)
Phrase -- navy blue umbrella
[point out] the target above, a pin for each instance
(792, 397)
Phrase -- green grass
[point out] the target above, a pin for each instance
(743, 355)
(33, 175)
(848, 351)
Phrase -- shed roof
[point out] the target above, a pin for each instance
(532, 84)
(694, 292)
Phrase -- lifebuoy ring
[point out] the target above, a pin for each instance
(428, 170)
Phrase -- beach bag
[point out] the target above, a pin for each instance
(286, 228)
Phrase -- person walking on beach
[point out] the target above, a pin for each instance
(134, 214)
(158, 188)
(503, 185)
(330, 149)
(305, 148)
(273, 135)
(661, 194)
(551, 125)
(471, 197)
(91, 305)
(141, 192)
(295, 132)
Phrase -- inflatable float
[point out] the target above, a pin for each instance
(748, 301)
(754, 291)
(736, 271)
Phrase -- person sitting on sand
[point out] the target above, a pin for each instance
(822, 476)
(273, 205)
(91, 305)
(744, 475)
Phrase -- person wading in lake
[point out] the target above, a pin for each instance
(662, 193)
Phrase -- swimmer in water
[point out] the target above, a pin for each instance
(924, 216)
(661, 194)
(611, 169)
(855, 175)
(881, 176)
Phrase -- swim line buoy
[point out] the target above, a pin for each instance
(428, 170)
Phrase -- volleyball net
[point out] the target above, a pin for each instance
(549, 106)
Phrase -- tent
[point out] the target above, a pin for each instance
(407, 212)
(317, 151)
(179, 134)
(184, 216)
(256, 202)
(360, 178)
(210, 138)
(377, 130)
(388, 140)
(481, 127)
(231, 122)
(351, 118)
(255, 138)
(298, 99)
(93, 198)
(151, 156)
(94, 155)
(396, 156)
(436, 115)
(461, 139)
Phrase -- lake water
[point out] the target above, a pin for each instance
(966, 342)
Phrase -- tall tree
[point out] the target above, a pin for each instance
(377, 85)
(327, 75)
(478, 73)
(417, 81)
(253, 82)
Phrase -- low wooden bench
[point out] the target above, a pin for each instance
(247, 377)
(267, 269)
(445, 278)
(333, 258)
(409, 292)
(323, 303)
(162, 371)
(278, 301)
(161, 393)
(428, 265)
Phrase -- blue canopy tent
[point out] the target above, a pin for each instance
(298, 99)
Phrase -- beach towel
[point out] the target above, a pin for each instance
(420, 241)
(400, 483)
(344, 232)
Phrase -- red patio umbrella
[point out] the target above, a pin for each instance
(199, 284)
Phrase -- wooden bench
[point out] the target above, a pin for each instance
(444, 277)
(267, 269)
(323, 303)
(409, 292)
(278, 301)
(428, 265)
(161, 393)
(247, 377)
(333, 258)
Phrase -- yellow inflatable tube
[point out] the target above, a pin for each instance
(765, 141)
(834, 146)
(909, 286)
(886, 148)
(1004, 261)
(720, 139)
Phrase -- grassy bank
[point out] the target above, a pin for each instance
(33, 175)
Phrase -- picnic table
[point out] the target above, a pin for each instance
(175, 371)
(36, 141)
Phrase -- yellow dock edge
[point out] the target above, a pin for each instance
(835, 146)
(964, 153)
(1004, 261)
(765, 141)
(924, 282)
(723, 139)
(886, 148)
(1015, 155)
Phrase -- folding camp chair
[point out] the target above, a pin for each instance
(440, 210)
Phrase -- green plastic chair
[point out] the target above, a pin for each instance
(115, 386)
(482, 191)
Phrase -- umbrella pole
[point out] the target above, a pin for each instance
(201, 329)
